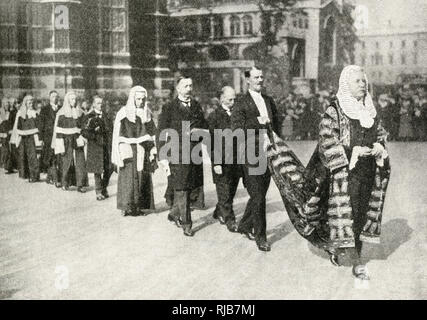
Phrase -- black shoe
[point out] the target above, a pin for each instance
(9, 172)
(143, 212)
(263, 246)
(81, 189)
(58, 184)
(232, 226)
(219, 218)
(65, 188)
(175, 220)
(126, 213)
(105, 194)
(49, 181)
(100, 197)
(248, 234)
(33, 180)
(188, 232)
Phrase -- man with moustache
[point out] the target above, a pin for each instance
(50, 161)
(184, 177)
(255, 111)
(226, 176)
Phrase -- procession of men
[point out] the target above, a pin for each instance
(67, 142)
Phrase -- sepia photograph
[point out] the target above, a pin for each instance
(194, 150)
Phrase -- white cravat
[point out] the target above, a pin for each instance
(260, 103)
(98, 112)
(226, 110)
(54, 107)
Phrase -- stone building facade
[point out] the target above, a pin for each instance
(63, 45)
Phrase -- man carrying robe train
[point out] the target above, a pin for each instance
(134, 154)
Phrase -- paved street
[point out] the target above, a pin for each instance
(65, 245)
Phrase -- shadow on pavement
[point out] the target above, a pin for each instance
(394, 233)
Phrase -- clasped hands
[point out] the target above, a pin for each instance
(376, 151)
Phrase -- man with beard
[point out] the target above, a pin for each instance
(184, 177)
(255, 112)
(49, 160)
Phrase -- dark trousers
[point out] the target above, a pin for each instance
(255, 215)
(28, 163)
(225, 191)
(197, 196)
(8, 155)
(360, 189)
(102, 180)
(79, 165)
(181, 207)
(54, 169)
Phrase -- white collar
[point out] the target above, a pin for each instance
(98, 112)
(182, 99)
(226, 109)
(254, 93)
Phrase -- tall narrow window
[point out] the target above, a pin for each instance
(403, 59)
(247, 25)
(390, 58)
(234, 26)
(218, 27)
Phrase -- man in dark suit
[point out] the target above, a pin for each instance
(50, 161)
(258, 112)
(98, 130)
(226, 176)
(184, 175)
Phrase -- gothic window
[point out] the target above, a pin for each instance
(113, 26)
(7, 37)
(247, 25)
(234, 26)
(41, 29)
(190, 28)
(415, 58)
(218, 27)
(330, 41)
(390, 58)
(205, 22)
